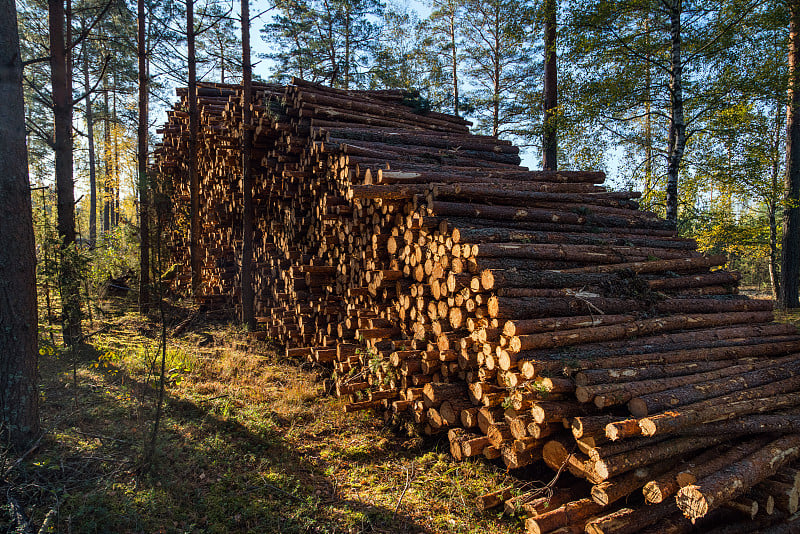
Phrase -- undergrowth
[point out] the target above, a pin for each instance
(249, 443)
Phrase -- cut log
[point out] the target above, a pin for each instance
(725, 407)
(712, 491)
(614, 465)
(629, 520)
(763, 373)
(669, 483)
(568, 514)
(622, 486)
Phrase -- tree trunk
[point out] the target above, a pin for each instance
(496, 72)
(347, 52)
(194, 180)
(106, 158)
(92, 162)
(772, 203)
(248, 316)
(19, 396)
(550, 141)
(790, 256)
(677, 130)
(454, 59)
(115, 206)
(647, 194)
(143, 182)
(62, 106)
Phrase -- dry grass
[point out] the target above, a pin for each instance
(248, 444)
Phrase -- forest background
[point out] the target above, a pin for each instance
(480, 59)
(691, 102)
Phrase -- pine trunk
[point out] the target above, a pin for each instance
(790, 250)
(194, 179)
(248, 315)
(143, 182)
(19, 395)
(550, 140)
(62, 106)
(92, 158)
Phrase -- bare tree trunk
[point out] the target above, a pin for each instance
(144, 185)
(454, 52)
(647, 194)
(248, 316)
(496, 65)
(194, 180)
(62, 107)
(106, 158)
(550, 141)
(772, 204)
(347, 65)
(19, 395)
(115, 207)
(677, 128)
(222, 60)
(92, 158)
(790, 256)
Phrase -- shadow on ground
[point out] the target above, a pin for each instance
(244, 446)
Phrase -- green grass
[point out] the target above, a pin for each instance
(247, 444)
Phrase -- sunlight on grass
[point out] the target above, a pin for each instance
(247, 444)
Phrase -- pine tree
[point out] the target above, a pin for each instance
(499, 39)
(19, 395)
(331, 41)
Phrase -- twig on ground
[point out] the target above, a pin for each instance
(410, 475)
(22, 458)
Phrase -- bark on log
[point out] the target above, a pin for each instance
(568, 514)
(710, 492)
(708, 462)
(721, 408)
(614, 465)
(760, 376)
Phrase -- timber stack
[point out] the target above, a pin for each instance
(535, 318)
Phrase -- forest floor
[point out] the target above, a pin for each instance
(248, 442)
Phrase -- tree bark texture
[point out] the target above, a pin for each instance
(790, 255)
(677, 130)
(246, 278)
(62, 110)
(19, 396)
(550, 140)
(144, 183)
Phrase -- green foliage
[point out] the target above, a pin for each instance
(326, 41)
(500, 40)
(115, 254)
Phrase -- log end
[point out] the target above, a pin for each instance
(601, 469)
(583, 394)
(653, 492)
(648, 427)
(692, 502)
(493, 306)
(487, 280)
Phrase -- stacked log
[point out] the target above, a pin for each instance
(533, 317)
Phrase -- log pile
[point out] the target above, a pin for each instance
(534, 318)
